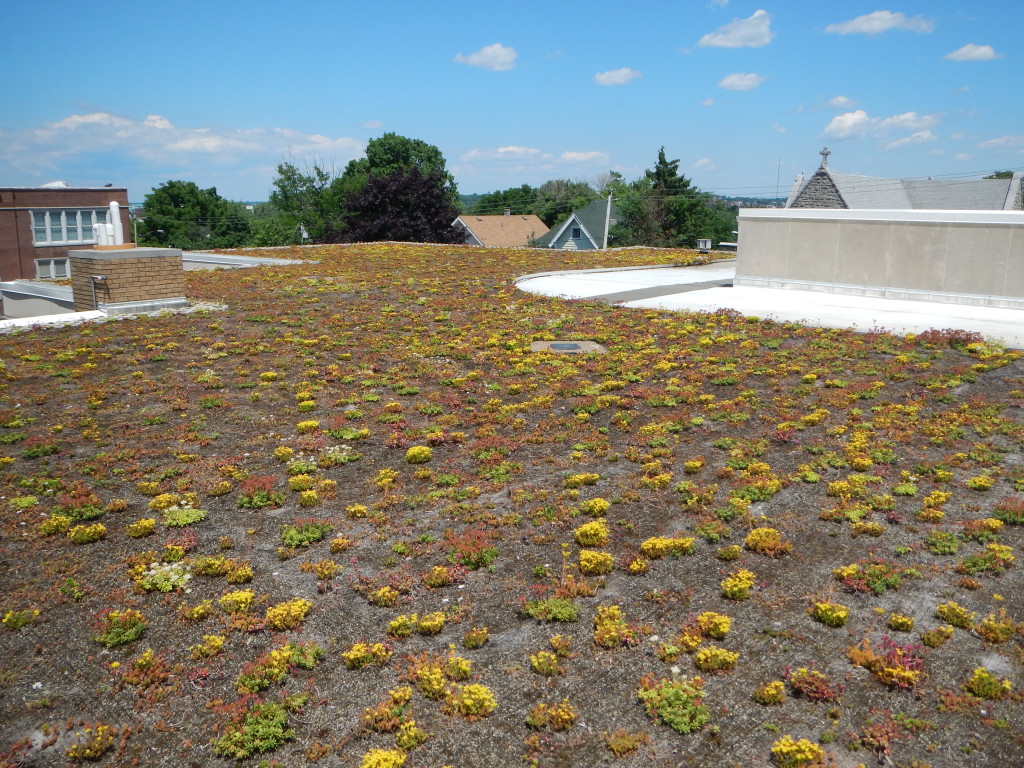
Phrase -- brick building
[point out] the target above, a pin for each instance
(39, 225)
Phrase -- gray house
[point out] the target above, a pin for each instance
(583, 230)
(827, 189)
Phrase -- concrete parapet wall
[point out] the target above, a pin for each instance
(972, 257)
(132, 275)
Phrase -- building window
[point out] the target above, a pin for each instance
(577, 233)
(66, 227)
(51, 269)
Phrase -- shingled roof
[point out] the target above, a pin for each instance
(590, 218)
(509, 231)
(826, 189)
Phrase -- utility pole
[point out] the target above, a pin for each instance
(607, 218)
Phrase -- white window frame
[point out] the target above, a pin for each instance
(66, 226)
(52, 269)
(577, 233)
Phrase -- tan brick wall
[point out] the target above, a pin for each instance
(154, 274)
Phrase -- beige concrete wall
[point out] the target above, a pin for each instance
(972, 257)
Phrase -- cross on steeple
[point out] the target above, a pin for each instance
(824, 157)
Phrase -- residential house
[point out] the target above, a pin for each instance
(39, 225)
(505, 231)
(827, 189)
(584, 229)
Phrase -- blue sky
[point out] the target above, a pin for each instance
(745, 94)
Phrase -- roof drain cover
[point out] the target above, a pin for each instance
(568, 347)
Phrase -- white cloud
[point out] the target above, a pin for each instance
(779, 128)
(373, 124)
(881, 21)
(707, 102)
(1003, 141)
(157, 143)
(495, 56)
(972, 52)
(584, 157)
(705, 164)
(841, 102)
(619, 76)
(919, 137)
(962, 156)
(741, 81)
(858, 124)
(741, 33)
(511, 152)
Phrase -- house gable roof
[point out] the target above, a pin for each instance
(590, 219)
(504, 231)
(827, 189)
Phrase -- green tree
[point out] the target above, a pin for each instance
(407, 205)
(519, 199)
(311, 199)
(557, 198)
(664, 209)
(390, 153)
(1000, 175)
(178, 214)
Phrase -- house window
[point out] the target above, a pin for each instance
(577, 233)
(51, 269)
(66, 227)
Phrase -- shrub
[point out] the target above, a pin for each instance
(474, 638)
(1009, 510)
(767, 541)
(15, 620)
(900, 623)
(239, 601)
(119, 627)
(812, 684)
(788, 752)
(579, 480)
(555, 717)
(180, 516)
(995, 559)
(595, 563)
(551, 609)
(714, 624)
(714, 659)
(659, 546)
(303, 533)
(934, 638)
(473, 701)
(610, 628)
(596, 507)
(288, 615)
(361, 655)
(954, 614)
(262, 728)
(830, 614)
(592, 534)
(770, 693)
(258, 492)
(996, 630)
(985, 685)
(737, 585)
(141, 528)
(678, 703)
(383, 758)
(87, 534)
(418, 454)
(545, 663)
